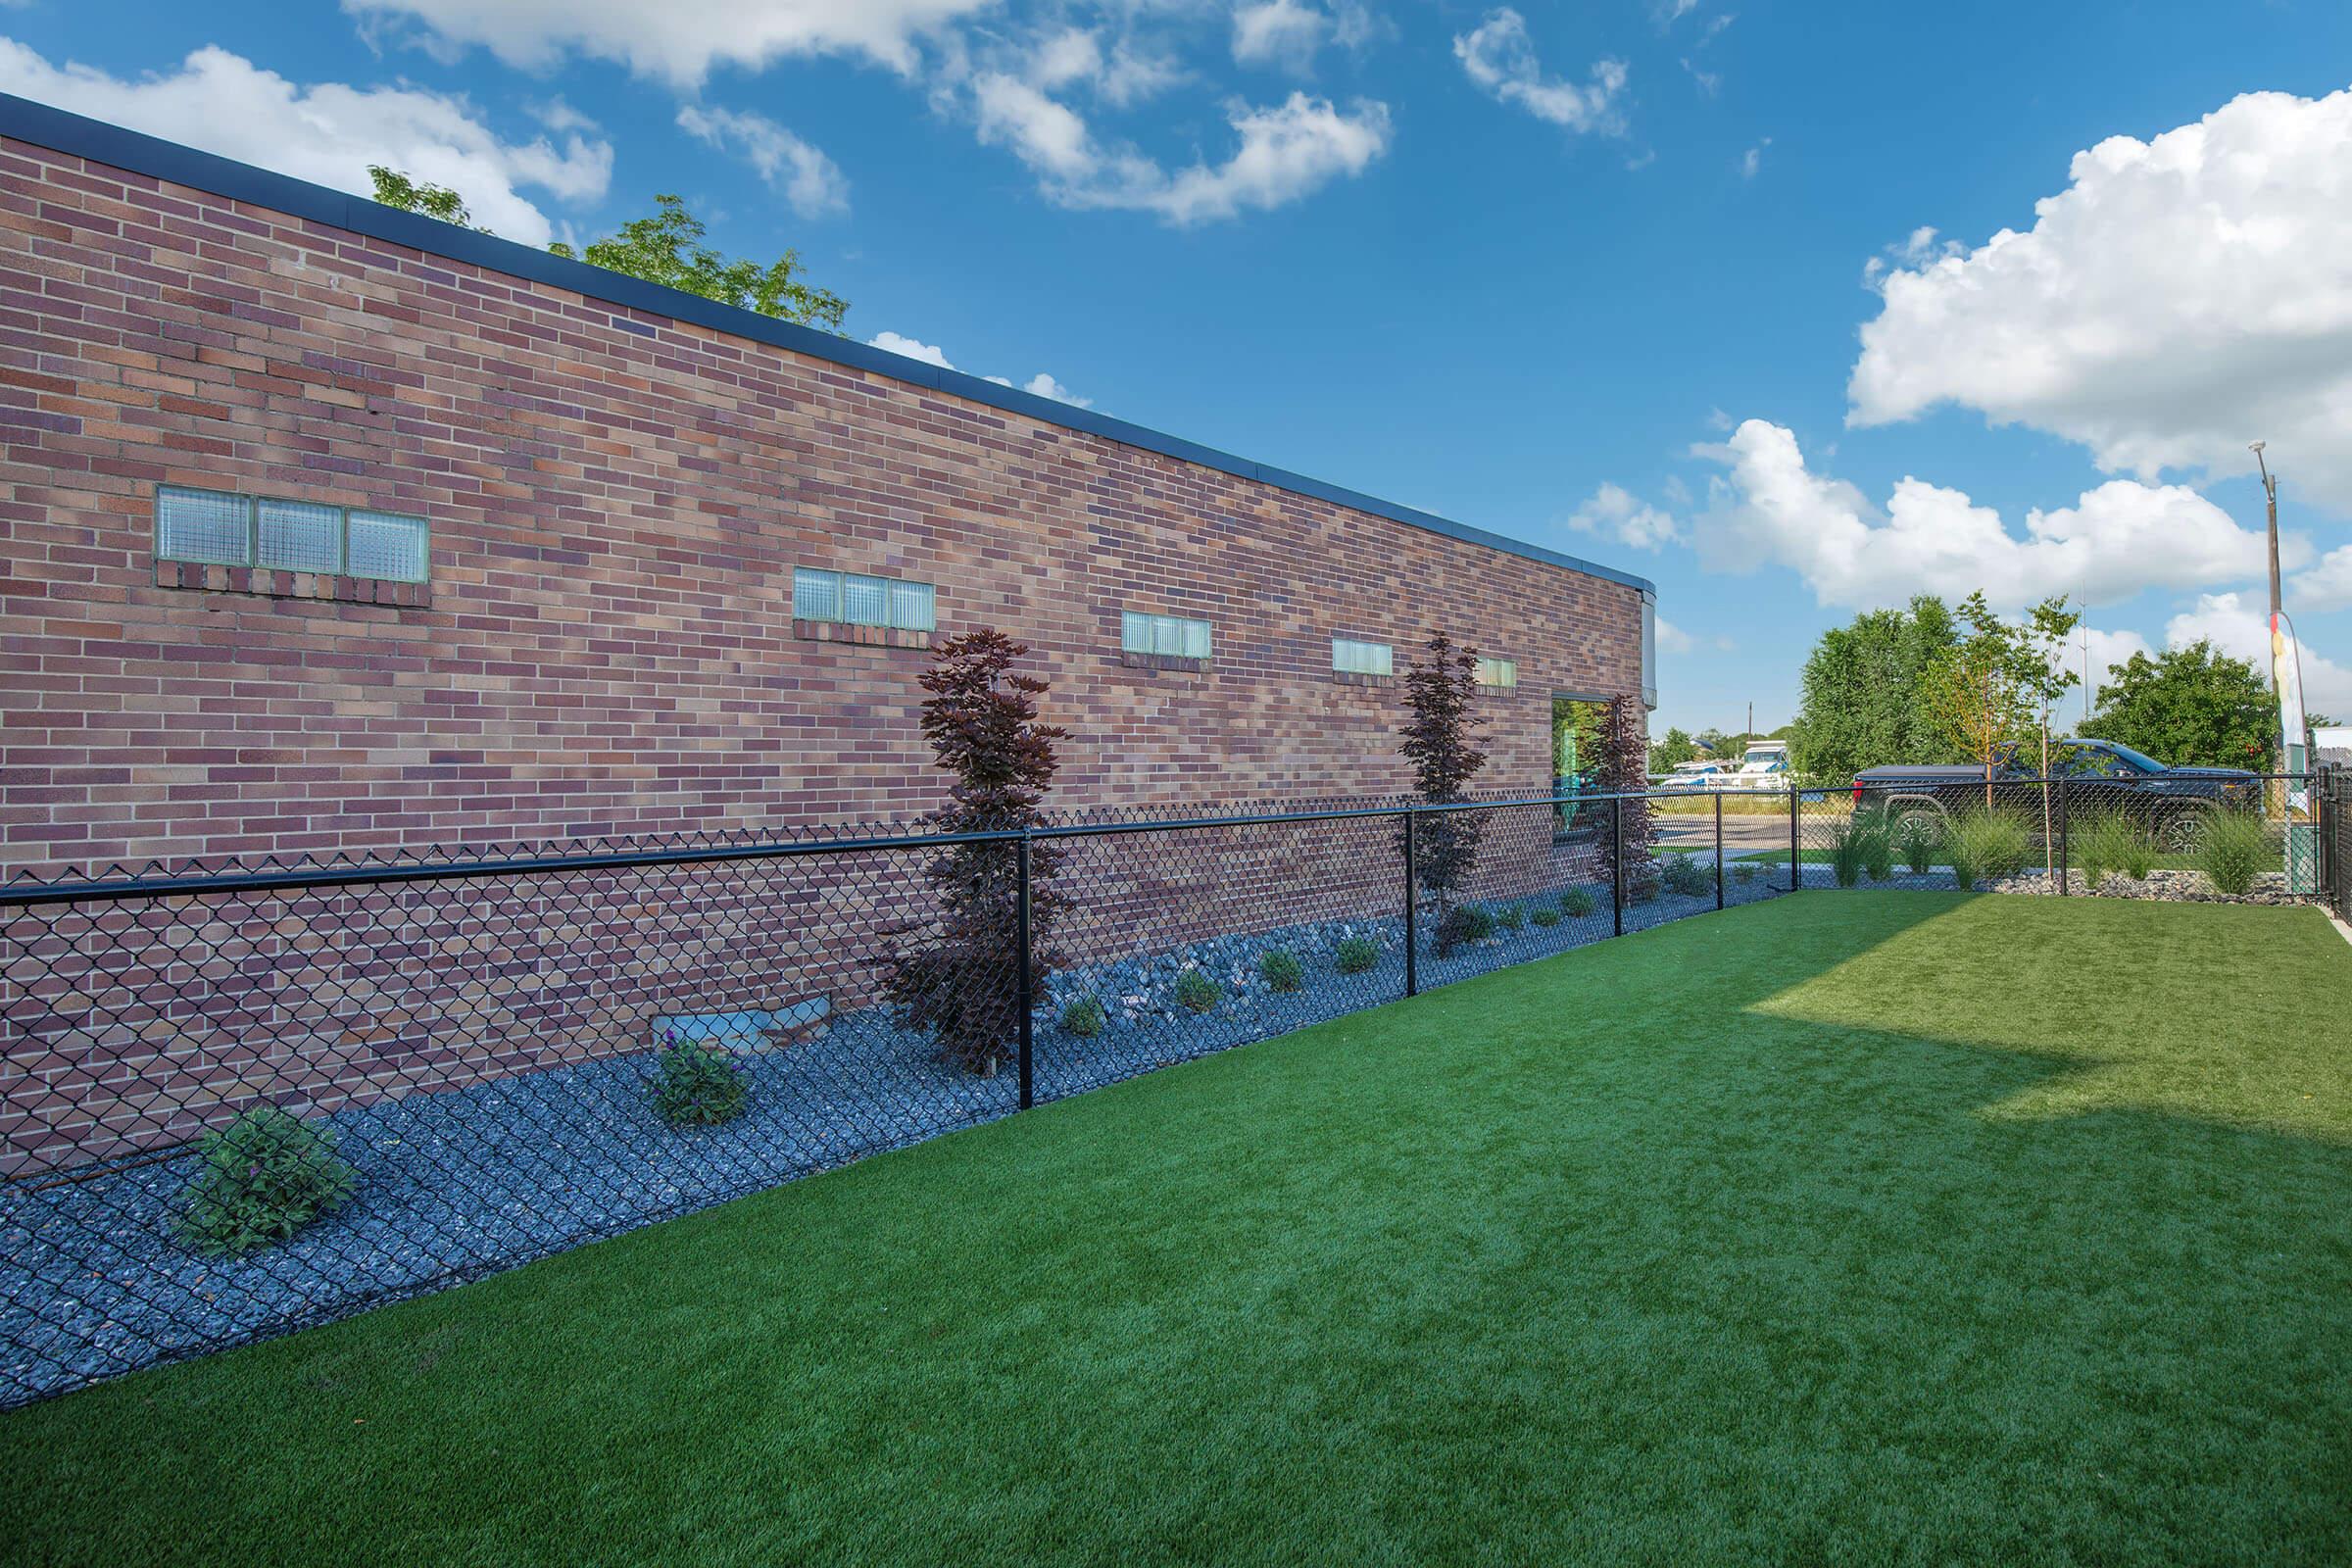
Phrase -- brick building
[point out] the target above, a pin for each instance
(333, 526)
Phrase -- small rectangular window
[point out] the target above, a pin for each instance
(1497, 672)
(1169, 636)
(203, 525)
(215, 528)
(1351, 658)
(856, 599)
(388, 545)
(299, 536)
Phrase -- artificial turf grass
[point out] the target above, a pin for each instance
(1854, 1227)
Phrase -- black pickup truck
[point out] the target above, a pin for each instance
(2100, 776)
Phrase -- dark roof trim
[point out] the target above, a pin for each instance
(139, 153)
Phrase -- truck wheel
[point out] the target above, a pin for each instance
(1916, 819)
(2184, 832)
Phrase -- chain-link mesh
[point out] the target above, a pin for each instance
(240, 1098)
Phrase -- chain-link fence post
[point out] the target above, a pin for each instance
(1797, 846)
(1412, 910)
(1617, 865)
(1718, 850)
(2063, 876)
(1021, 986)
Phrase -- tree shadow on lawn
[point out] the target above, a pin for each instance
(1690, 1247)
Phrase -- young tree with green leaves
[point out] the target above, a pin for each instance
(1676, 749)
(2191, 707)
(666, 248)
(1861, 692)
(1994, 687)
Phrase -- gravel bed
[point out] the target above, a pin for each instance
(465, 1182)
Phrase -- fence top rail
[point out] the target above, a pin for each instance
(188, 884)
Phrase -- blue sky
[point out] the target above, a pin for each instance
(1649, 280)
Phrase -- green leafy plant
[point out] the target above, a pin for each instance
(1084, 1017)
(1281, 970)
(1879, 850)
(1355, 954)
(1991, 844)
(1860, 846)
(1196, 991)
(260, 1178)
(699, 1083)
(2113, 843)
(1743, 870)
(1467, 922)
(1919, 838)
(1545, 916)
(1684, 875)
(1576, 903)
(1511, 917)
(2232, 851)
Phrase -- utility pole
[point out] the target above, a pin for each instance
(2269, 491)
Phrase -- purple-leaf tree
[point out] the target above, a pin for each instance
(1441, 741)
(958, 977)
(1625, 769)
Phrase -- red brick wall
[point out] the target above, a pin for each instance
(607, 647)
(617, 501)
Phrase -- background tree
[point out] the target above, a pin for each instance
(1669, 754)
(1624, 761)
(2190, 706)
(666, 248)
(1974, 691)
(1862, 686)
(1440, 742)
(396, 189)
(959, 980)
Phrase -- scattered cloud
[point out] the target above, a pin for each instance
(1500, 57)
(1121, 73)
(1288, 35)
(1672, 639)
(327, 131)
(2326, 586)
(675, 43)
(1752, 160)
(1709, 83)
(1284, 153)
(1041, 384)
(809, 182)
(2116, 540)
(1615, 513)
(2239, 625)
(2180, 298)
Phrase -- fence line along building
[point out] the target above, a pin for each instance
(329, 526)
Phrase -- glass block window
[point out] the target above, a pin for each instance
(383, 545)
(1497, 672)
(299, 536)
(859, 601)
(1351, 658)
(215, 528)
(1172, 636)
(203, 525)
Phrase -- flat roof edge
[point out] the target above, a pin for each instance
(61, 130)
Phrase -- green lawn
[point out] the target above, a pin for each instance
(1881, 1227)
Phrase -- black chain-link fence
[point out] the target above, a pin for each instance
(239, 1098)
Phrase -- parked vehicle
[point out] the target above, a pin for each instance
(1689, 777)
(2175, 802)
(1761, 767)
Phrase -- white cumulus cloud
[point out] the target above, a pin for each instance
(2239, 625)
(2180, 298)
(2116, 540)
(328, 133)
(894, 343)
(1500, 57)
(1042, 383)
(812, 184)
(661, 39)
(2327, 585)
(1285, 152)
(1615, 513)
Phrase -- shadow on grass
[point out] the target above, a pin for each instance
(1693, 1247)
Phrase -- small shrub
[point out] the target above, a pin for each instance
(2232, 851)
(1987, 844)
(2109, 844)
(1466, 922)
(1643, 888)
(1743, 870)
(1576, 903)
(1196, 991)
(1281, 970)
(1355, 954)
(1878, 851)
(1511, 917)
(1860, 847)
(1918, 839)
(698, 1084)
(1084, 1017)
(262, 1177)
(1686, 876)
(1545, 916)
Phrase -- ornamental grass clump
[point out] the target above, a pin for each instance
(1196, 991)
(1985, 844)
(1468, 922)
(1859, 847)
(260, 1178)
(1511, 917)
(2110, 844)
(2232, 851)
(1576, 903)
(1684, 875)
(1545, 916)
(1084, 1017)
(1281, 970)
(699, 1083)
(1354, 954)
(1919, 841)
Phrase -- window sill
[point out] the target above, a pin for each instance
(262, 583)
(1350, 677)
(1162, 661)
(839, 631)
